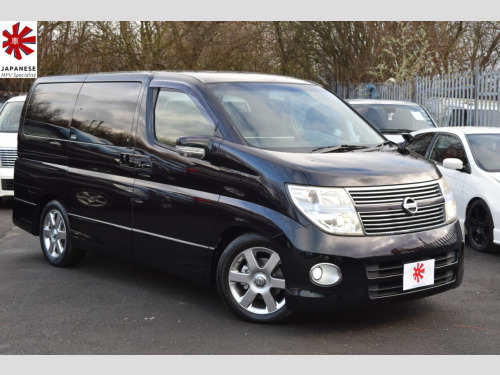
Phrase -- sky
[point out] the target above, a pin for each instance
(262, 10)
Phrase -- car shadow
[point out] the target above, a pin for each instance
(158, 285)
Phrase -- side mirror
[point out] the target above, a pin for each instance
(194, 147)
(453, 163)
(407, 139)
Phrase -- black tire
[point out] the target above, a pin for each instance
(255, 291)
(55, 237)
(480, 227)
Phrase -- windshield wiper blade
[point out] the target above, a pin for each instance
(341, 148)
(394, 131)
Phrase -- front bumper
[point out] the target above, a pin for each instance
(6, 182)
(372, 266)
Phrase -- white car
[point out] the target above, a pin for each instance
(9, 124)
(469, 159)
(393, 117)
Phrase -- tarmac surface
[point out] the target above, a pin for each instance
(110, 306)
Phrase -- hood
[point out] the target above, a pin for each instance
(8, 140)
(361, 168)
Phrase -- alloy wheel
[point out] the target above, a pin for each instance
(256, 281)
(54, 234)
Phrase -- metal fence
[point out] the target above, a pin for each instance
(388, 90)
(458, 99)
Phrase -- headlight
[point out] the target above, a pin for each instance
(449, 202)
(330, 209)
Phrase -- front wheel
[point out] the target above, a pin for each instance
(250, 280)
(55, 239)
(480, 227)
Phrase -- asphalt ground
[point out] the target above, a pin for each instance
(110, 306)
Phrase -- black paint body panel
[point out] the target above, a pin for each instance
(142, 200)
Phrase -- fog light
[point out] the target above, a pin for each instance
(325, 274)
(316, 273)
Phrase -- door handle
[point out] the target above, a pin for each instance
(135, 161)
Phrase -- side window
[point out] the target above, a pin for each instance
(420, 143)
(50, 109)
(177, 116)
(447, 146)
(104, 112)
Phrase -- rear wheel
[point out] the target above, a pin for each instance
(250, 280)
(55, 238)
(480, 227)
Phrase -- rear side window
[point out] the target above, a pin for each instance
(50, 109)
(177, 116)
(104, 112)
(420, 143)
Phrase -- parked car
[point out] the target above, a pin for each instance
(393, 117)
(469, 159)
(10, 114)
(269, 187)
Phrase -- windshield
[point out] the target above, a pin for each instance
(292, 118)
(486, 151)
(9, 117)
(395, 118)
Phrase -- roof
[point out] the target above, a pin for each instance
(382, 102)
(464, 130)
(20, 98)
(201, 76)
(218, 77)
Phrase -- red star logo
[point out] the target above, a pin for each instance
(16, 42)
(419, 271)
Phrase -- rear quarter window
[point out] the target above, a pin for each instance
(104, 112)
(50, 109)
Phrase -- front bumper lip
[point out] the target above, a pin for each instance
(6, 174)
(354, 254)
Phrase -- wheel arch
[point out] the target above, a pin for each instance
(467, 209)
(223, 241)
(42, 202)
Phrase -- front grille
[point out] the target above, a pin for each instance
(381, 208)
(399, 221)
(387, 278)
(8, 158)
(7, 184)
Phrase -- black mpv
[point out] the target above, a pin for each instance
(269, 187)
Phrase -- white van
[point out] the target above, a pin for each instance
(9, 124)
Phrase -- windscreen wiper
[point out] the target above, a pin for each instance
(341, 148)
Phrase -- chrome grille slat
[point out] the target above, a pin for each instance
(372, 219)
(391, 219)
(362, 194)
(409, 227)
(392, 213)
(396, 196)
(431, 188)
(392, 200)
(8, 158)
(399, 194)
(421, 209)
